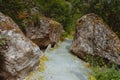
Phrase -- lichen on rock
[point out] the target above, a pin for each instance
(43, 31)
(93, 36)
(18, 55)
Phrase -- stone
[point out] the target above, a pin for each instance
(94, 37)
(18, 55)
(44, 31)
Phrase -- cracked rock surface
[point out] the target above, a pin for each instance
(18, 55)
(93, 36)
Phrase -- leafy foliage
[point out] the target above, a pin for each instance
(59, 10)
(15, 9)
(105, 73)
(102, 68)
(109, 10)
(65, 11)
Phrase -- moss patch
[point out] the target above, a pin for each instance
(43, 59)
(31, 74)
(91, 77)
(41, 78)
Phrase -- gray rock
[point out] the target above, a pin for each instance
(44, 31)
(18, 55)
(93, 36)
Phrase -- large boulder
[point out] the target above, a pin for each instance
(94, 37)
(18, 55)
(43, 31)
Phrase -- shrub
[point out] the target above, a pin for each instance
(59, 10)
(65, 11)
(102, 69)
(106, 73)
(15, 9)
(109, 10)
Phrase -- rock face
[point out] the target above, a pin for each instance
(44, 32)
(18, 55)
(94, 37)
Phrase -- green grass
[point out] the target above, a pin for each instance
(102, 69)
(105, 73)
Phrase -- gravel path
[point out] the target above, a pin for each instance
(60, 64)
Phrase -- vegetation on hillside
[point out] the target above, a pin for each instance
(102, 68)
(66, 11)
(109, 10)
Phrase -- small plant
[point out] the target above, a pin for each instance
(43, 59)
(91, 77)
(106, 73)
(95, 60)
(2, 40)
(64, 35)
(102, 69)
(41, 78)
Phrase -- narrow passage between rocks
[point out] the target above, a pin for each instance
(60, 64)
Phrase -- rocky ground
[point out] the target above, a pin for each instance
(20, 53)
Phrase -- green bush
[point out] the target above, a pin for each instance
(102, 68)
(106, 73)
(11, 7)
(58, 10)
(109, 10)
(66, 11)
(14, 8)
